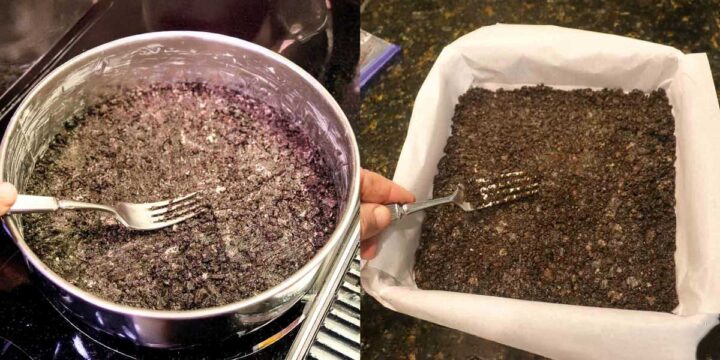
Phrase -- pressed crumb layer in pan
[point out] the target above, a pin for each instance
(602, 230)
(268, 199)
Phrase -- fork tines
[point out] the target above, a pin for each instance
(177, 209)
(506, 187)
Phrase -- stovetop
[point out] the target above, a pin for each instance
(323, 42)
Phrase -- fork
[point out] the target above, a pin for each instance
(494, 191)
(145, 216)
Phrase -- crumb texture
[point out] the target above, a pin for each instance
(268, 198)
(602, 230)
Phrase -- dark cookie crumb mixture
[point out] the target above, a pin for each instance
(601, 232)
(269, 200)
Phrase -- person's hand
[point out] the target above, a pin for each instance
(8, 195)
(376, 190)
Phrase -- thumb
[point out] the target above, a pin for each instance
(374, 218)
(8, 195)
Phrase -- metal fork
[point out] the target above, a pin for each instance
(493, 191)
(145, 216)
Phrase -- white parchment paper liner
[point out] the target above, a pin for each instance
(509, 56)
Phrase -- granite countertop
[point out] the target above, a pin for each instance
(423, 28)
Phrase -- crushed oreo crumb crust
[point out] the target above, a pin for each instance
(268, 197)
(602, 230)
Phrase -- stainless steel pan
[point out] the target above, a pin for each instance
(179, 56)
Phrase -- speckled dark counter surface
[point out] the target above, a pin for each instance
(423, 28)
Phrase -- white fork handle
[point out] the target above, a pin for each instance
(40, 204)
(34, 204)
(397, 211)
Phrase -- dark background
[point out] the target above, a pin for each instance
(422, 28)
